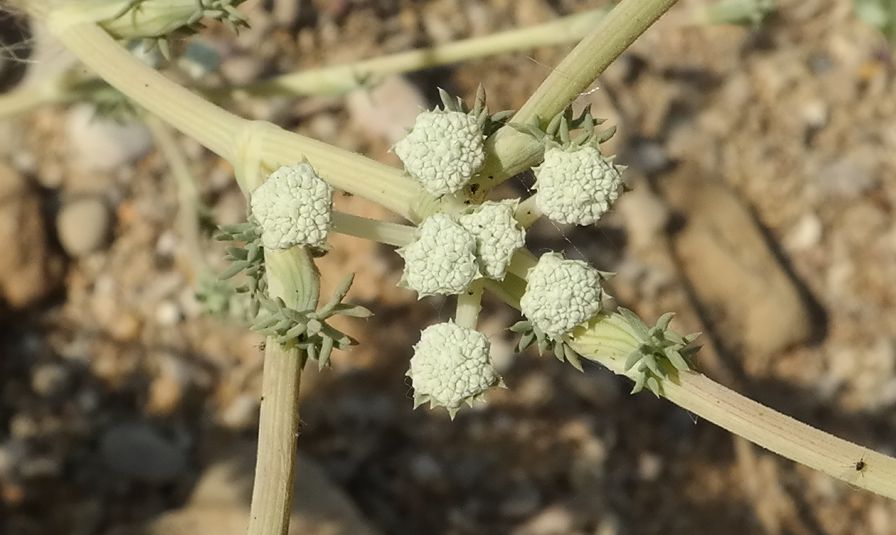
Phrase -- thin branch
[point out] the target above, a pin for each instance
(339, 79)
(509, 151)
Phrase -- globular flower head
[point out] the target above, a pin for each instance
(293, 207)
(443, 150)
(576, 184)
(561, 294)
(451, 366)
(442, 261)
(498, 236)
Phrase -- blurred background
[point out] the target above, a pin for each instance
(762, 212)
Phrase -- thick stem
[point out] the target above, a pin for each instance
(278, 428)
(607, 340)
(231, 136)
(186, 111)
(292, 277)
(509, 151)
(340, 79)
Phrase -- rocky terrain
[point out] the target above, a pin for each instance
(762, 211)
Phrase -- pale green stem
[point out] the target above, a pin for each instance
(340, 79)
(292, 277)
(607, 340)
(372, 229)
(521, 262)
(278, 429)
(231, 136)
(509, 151)
(186, 111)
(189, 204)
(24, 99)
(469, 304)
(527, 213)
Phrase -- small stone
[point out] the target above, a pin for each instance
(23, 426)
(805, 234)
(756, 306)
(242, 69)
(848, 177)
(101, 144)
(387, 110)
(425, 468)
(649, 466)
(165, 395)
(168, 314)
(535, 390)
(139, 452)
(29, 269)
(649, 157)
(645, 215)
(520, 501)
(555, 520)
(83, 225)
(49, 379)
(241, 413)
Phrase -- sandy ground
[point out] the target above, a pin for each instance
(762, 212)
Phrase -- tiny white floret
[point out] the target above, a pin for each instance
(443, 150)
(498, 236)
(451, 366)
(293, 207)
(576, 185)
(442, 260)
(561, 294)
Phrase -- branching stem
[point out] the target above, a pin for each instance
(373, 229)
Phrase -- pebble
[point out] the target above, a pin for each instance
(168, 313)
(649, 466)
(49, 380)
(83, 225)
(139, 452)
(649, 157)
(805, 234)
(241, 413)
(426, 469)
(520, 501)
(242, 69)
(387, 110)
(755, 305)
(555, 520)
(101, 144)
(536, 390)
(645, 215)
(848, 177)
(29, 268)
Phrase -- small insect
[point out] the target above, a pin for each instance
(262, 345)
(855, 471)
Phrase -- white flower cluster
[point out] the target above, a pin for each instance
(576, 185)
(450, 253)
(451, 366)
(443, 150)
(293, 207)
(561, 294)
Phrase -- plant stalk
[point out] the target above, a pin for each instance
(509, 151)
(373, 229)
(608, 341)
(340, 79)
